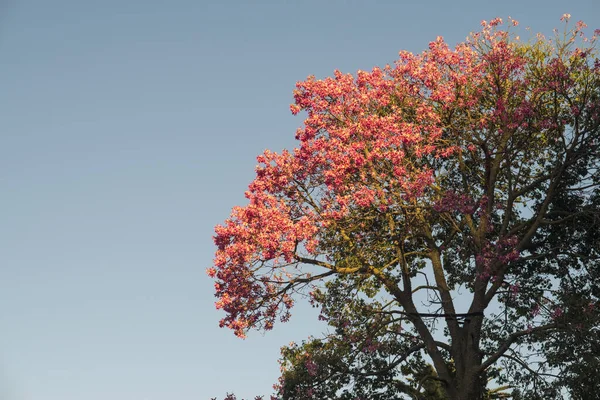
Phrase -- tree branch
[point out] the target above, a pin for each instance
(511, 339)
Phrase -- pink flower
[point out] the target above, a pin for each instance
(311, 367)
(496, 22)
(557, 313)
(295, 109)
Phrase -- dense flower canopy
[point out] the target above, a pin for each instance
(473, 167)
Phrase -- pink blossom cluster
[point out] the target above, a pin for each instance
(370, 346)
(454, 202)
(499, 253)
(311, 367)
(557, 312)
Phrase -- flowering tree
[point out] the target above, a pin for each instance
(443, 213)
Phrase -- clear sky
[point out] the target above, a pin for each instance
(128, 129)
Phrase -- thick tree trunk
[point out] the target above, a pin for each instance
(471, 386)
(470, 383)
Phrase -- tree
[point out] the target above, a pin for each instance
(443, 213)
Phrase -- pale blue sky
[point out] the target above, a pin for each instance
(128, 129)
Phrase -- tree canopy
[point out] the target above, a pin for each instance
(443, 214)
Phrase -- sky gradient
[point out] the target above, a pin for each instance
(128, 129)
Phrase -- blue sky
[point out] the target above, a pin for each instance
(128, 129)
